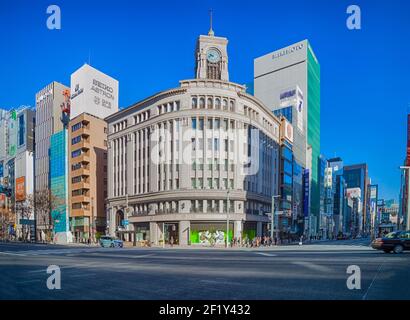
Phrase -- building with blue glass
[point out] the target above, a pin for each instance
(58, 186)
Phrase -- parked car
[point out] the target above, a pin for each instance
(396, 241)
(112, 242)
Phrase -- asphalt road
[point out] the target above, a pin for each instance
(316, 271)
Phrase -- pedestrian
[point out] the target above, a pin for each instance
(171, 241)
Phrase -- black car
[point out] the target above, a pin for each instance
(397, 242)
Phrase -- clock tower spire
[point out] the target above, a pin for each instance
(210, 32)
(211, 56)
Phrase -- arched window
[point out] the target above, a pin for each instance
(232, 105)
(210, 103)
(202, 103)
(194, 103)
(217, 103)
(225, 104)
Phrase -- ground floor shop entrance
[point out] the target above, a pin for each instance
(171, 233)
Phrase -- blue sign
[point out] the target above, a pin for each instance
(125, 222)
(306, 193)
(1, 169)
(27, 222)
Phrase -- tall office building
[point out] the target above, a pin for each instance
(48, 122)
(16, 165)
(293, 74)
(88, 175)
(356, 177)
(335, 194)
(94, 96)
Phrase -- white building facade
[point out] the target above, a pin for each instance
(188, 164)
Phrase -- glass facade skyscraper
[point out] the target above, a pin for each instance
(291, 77)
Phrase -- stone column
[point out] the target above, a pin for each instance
(184, 232)
(155, 232)
(237, 228)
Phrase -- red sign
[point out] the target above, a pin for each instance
(20, 189)
(408, 141)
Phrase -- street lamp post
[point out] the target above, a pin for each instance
(227, 220)
(408, 196)
(92, 220)
(273, 217)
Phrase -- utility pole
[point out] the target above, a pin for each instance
(227, 220)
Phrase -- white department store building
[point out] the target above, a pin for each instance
(184, 161)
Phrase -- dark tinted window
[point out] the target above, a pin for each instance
(405, 235)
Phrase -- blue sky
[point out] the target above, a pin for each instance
(149, 45)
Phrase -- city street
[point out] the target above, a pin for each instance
(315, 271)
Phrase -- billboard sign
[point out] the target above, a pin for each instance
(287, 130)
(299, 107)
(354, 193)
(373, 201)
(20, 189)
(2, 201)
(306, 193)
(294, 97)
(93, 92)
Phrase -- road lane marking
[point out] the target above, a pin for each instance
(13, 254)
(28, 281)
(267, 254)
(311, 266)
(374, 278)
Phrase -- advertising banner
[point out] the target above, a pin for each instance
(300, 107)
(20, 189)
(306, 193)
(1, 169)
(2, 200)
(288, 131)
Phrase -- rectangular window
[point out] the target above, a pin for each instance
(201, 124)
(76, 166)
(76, 153)
(22, 129)
(76, 127)
(193, 123)
(75, 140)
(209, 161)
(210, 124)
(76, 179)
(193, 142)
(216, 144)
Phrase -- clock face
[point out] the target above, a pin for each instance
(213, 56)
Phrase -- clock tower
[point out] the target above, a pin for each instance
(211, 57)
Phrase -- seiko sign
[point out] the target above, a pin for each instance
(287, 51)
(77, 91)
(101, 88)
